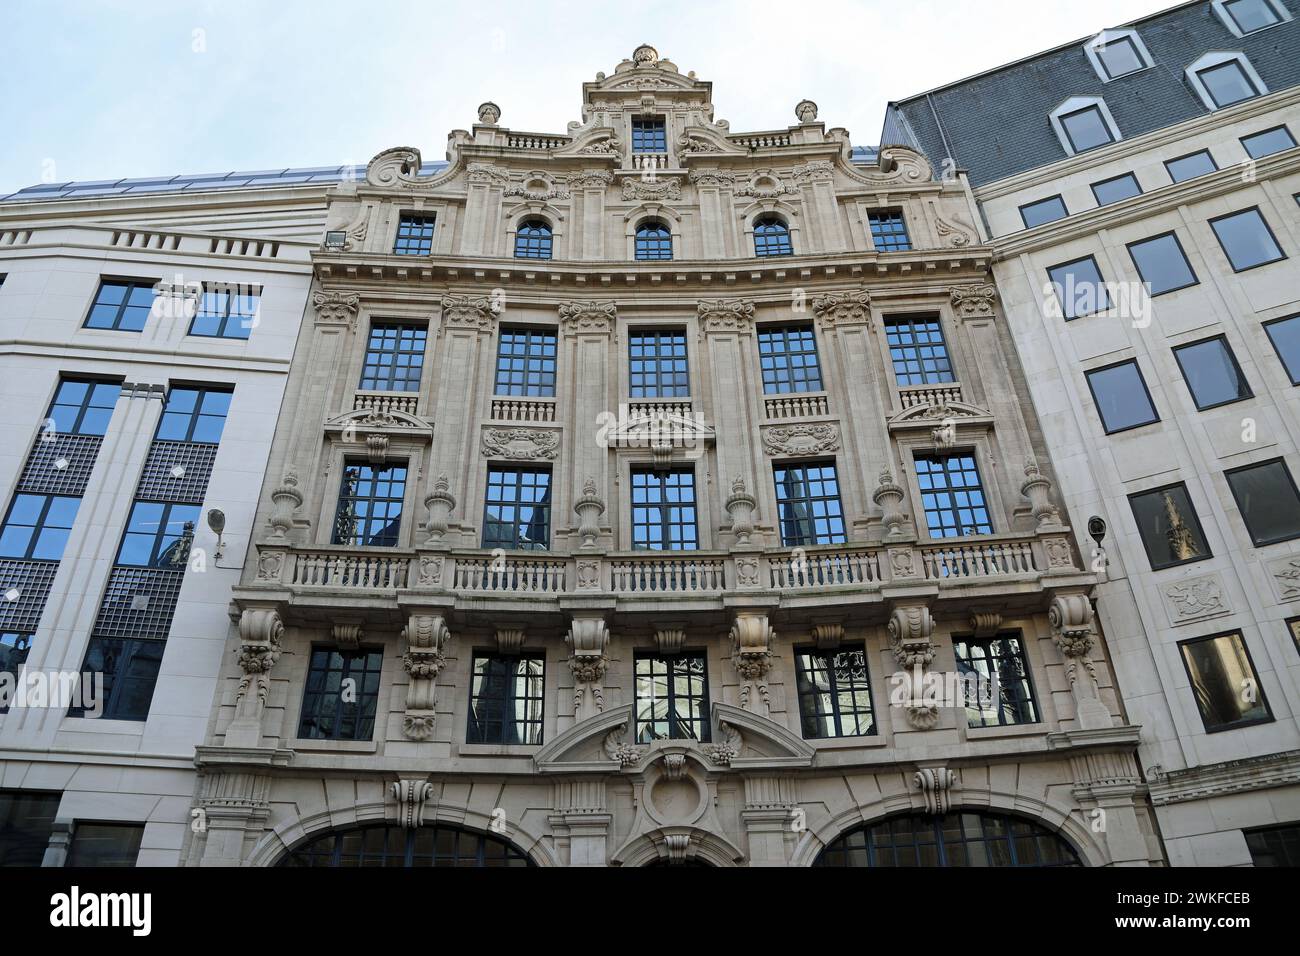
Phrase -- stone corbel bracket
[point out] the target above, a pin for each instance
(426, 637)
(910, 630)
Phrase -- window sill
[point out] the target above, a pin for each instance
(1039, 729)
(334, 746)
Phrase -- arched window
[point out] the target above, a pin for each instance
(956, 839)
(383, 844)
(772, 237)
(533, 240)
(654, 240)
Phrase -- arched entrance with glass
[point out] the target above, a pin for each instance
(960, 838)
(386, 845)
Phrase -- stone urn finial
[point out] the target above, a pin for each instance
(645, 55)
(1037, 488)
(589, 508)
(489, 113)
(889, 495)
(806, 111)
(740, 506)
(285, 500)
(440, 501)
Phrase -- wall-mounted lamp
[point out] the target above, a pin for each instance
(217, 522)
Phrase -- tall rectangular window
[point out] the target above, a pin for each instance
(1227, 83)
(1169, 527)
(649, 135)
(370, 505)
(82, 407)
(808, 504)
(1224, 683)
(341, 695)
(105, 844)
(1187, 167)
(1162, 264)
(414, 236)
(26, 822)
(1267, 498)
(1268, 142)
(14, 648)
(1246, 239)
(952, 496)
(394, 357)
(788, 356)
(834, 694)
(158, 535)
(1000, 692)
(1121, 396)
(1274, 846)
(889, 231)
(517, 513)
(1212, 373)
(918, 351)
(1079, 287)
(1116, 190)
(526, 362)
(1086, 129)
(672, 699)
(1043, 211)
(227, 311)
(1285, 336)
(122, 305)
(657, 365)
(506, 696)
(130, 669)
(194, 414)
(37, 527)
(663, 510)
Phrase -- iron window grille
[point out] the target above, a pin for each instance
(808, 504)
(341, 694)
(1000, 692)
(788, 356)
(834, 694)
(394, 357)
(506, 699)
(369, 512)
(952, 496)
(517, 512)
(672, 699)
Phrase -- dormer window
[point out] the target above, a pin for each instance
(1250, 16)
(1223, 79)
(650, 135)
(1083, 123)
(1117, 53)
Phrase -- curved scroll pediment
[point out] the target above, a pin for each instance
(582, 746)
(763, 742)
(400, 166)
(897, 166)
(374, 419)
(936, 413)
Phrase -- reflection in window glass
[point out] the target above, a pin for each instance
(834, 694)
(26, 821)
(1043, 211)
(158, 535)
(1170, 529)
(37, 526)
(1212, 373)
(194, 415)
(999, 692)
(1285, 336)
(808, 503)
(975, 839)
(1246, 239)
(1251, 15)
(672, 700)
(663, 510)
(517, 512)
(1224, 683)
(788, 357)
(1161, 264)
(333, 709)
(506, 696)
(1189, 167)
(369, 511)
(83, 407)
(952, 496)
(1274, 846)
(105, 844)
(1267, 498)
(1121, 397)
(1079, 287)
(1086, 129)
(1268, 142)
(1227, 83)
(1116, 190)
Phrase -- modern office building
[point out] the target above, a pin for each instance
(146, 333)
(653, 493)
(1140, 191)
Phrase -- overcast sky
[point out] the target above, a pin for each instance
(104, 89)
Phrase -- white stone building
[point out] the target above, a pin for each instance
(1142, 203)
(147, 332)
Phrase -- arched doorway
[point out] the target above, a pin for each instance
(962, 838)
(383, 844)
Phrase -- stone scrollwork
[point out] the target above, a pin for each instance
(412, 795)
(336, 308)
(520, 444)
(652, 190)
(591, 179)
(399, 166)
(588, 638)
(260, 630)
(897, 165)
(588, 316)
(910, 629)
(842, 308)
(487, 174)
(936, 785)
(1070, 617)
(426, 637)
(726, 315)
(723, 752)
(469, 311)
(808, 439)
(619, 750)
(751, 655)
(973, 301)
(764, 184)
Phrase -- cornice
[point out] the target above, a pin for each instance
(30, 211)
(1221, 779)
(1143, 206)
(1080, 162)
